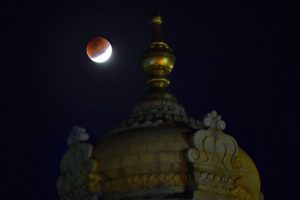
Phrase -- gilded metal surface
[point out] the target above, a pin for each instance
(159, 82)
(158, 60)
(157, 20)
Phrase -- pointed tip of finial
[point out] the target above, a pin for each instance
(157, 23)
(157, 20)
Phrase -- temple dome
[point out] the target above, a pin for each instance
(151, 162)
(250, 179)
(160, 152)
(143, 162)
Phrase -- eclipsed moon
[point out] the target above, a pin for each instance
(99, 49)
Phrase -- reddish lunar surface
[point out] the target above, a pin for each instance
(97, 47)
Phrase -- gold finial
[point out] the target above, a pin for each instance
(157, 20)
(158, 59)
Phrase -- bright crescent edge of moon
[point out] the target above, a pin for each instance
(104, 56)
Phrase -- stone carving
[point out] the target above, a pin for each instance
(146, 181)
(78, 180)
(157, 109)
(214, 158)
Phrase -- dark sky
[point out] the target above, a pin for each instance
(231, 57)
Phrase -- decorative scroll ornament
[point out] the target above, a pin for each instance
(214, 159)
(78, 180)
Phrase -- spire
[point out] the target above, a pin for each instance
(158, 59)
(157, 22)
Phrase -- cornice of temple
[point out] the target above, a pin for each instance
(156, 109)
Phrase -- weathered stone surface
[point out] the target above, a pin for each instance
(156, 146)
(78, 179)
(148, 157)
(155, 109)
(112, 163)
(145, 156)
(167, 157)
(217, 164)
(129, 160)
(138, 147)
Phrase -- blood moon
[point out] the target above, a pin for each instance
(99, 49)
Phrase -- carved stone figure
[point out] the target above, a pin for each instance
(77, 167)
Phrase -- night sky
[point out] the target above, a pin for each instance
(231, 57)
